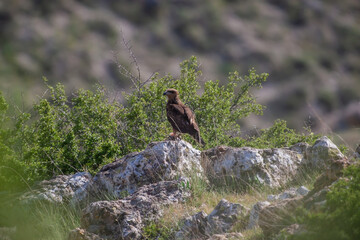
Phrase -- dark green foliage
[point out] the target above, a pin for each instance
(71, 135)
(340, 219)
(279, 135)
(85, 131)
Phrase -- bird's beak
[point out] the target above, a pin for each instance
(165, 93)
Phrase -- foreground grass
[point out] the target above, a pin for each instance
(38, 220)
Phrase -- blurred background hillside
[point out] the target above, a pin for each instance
(310, 48)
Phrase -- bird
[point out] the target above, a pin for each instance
(180, 116)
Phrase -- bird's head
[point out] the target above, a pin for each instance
(171, 93)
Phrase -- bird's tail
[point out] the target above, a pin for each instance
(197, 137)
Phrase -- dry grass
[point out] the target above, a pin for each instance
(206, 198)
(207, 201)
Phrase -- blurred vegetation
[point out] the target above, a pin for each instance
(38, 220)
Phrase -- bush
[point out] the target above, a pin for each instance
(279, 135)
(71, 135)
(85, 131)
(340, 218)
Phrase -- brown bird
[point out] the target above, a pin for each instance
(180, 116)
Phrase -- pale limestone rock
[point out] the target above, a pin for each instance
(160, 161)
(323, 152)
(62, 188)
(272, 167)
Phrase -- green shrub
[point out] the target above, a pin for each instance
(68, 135)
(279, 135)
(340, 218)
(85, 131)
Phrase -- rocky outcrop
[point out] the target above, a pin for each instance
(323, 153)
(160, 161)
(125, 218)
(63, 188)
(146, 182)
(272, 167)
(220, 220)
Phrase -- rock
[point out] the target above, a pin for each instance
(220, 220)
(290, 193)
(273, 217)
(160, 161)
(225, 236)
(254, 214)
(303, 191)
(195, 227)
(225, 214)
(323, 152)
(272, 167)
(63, 188)
(125, 218)
(272, 198)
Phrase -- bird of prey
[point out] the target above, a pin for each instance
(180, 116)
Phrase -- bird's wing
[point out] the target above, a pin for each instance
(187, 115)
(190, 115)
(178, 109)
(185, 111)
